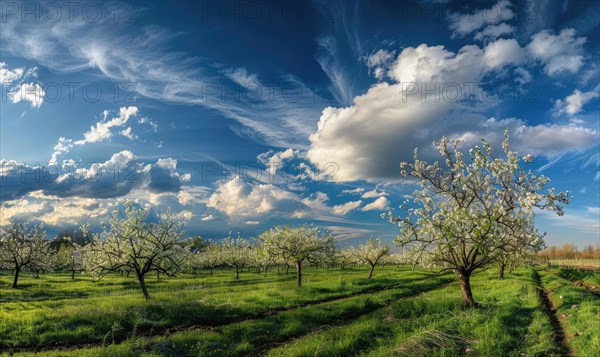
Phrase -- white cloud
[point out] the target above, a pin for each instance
(242, 77)
(187, 177)
(101, 131)
(503, 52)
(370, 138)
(237, 198)
(492, 32)
(145, 120)
(190, 195)
(593, 210)
(346, 208)
(379, 204)
(357, 190)
(379, 61)
(53, 210)
(252, 223)
(127, 133)
(373, 194)
(8, 76)
(207, 218)
(28, 92)
(559, 53)
(341, 233)
(573, 103)
(140, 55)
(274, 160)
(464, 24)
(185, 215)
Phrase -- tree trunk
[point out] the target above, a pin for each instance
(16, 279)
(502, 266)
(142, 281)
(73, 274)
(465, 287)
(511, 267)
(287, 268)
(371, 271)
(212, 269)
(237, 272)
(299, 272)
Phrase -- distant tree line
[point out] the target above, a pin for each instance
(132, 244)
(571, 251)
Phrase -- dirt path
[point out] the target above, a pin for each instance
(550, 310)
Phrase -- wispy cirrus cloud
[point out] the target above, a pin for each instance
(280, 114)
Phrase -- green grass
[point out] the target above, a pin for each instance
(335, 313)
(508, 321)
(578, 311)
(589, 278)
(55, 311)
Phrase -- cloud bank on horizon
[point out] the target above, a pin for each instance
(239, 123)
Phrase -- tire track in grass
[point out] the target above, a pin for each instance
(166, 332)
(577, 282)
(360, 344)
(550, 311)
(347, 320)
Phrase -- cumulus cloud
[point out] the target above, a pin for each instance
(54, 210)
(28, 92)
(8, 76)
(379, 61)
(101, 131)
(379, 204)
(346, 208)
(503, 52)
(115, 177)
(237, 198)
(246, 200)
(98, 132)
(558, 53)
(573, 104)
(371, 137)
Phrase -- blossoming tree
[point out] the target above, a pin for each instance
(133, 242)
(23, 248)
(468, 212)
(295, 245)
(371, 252)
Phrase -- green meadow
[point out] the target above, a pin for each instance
(335, 313)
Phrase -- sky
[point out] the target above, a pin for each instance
(238, 116)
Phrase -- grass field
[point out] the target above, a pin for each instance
(335, 313)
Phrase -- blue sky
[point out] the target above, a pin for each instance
(241, 115)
